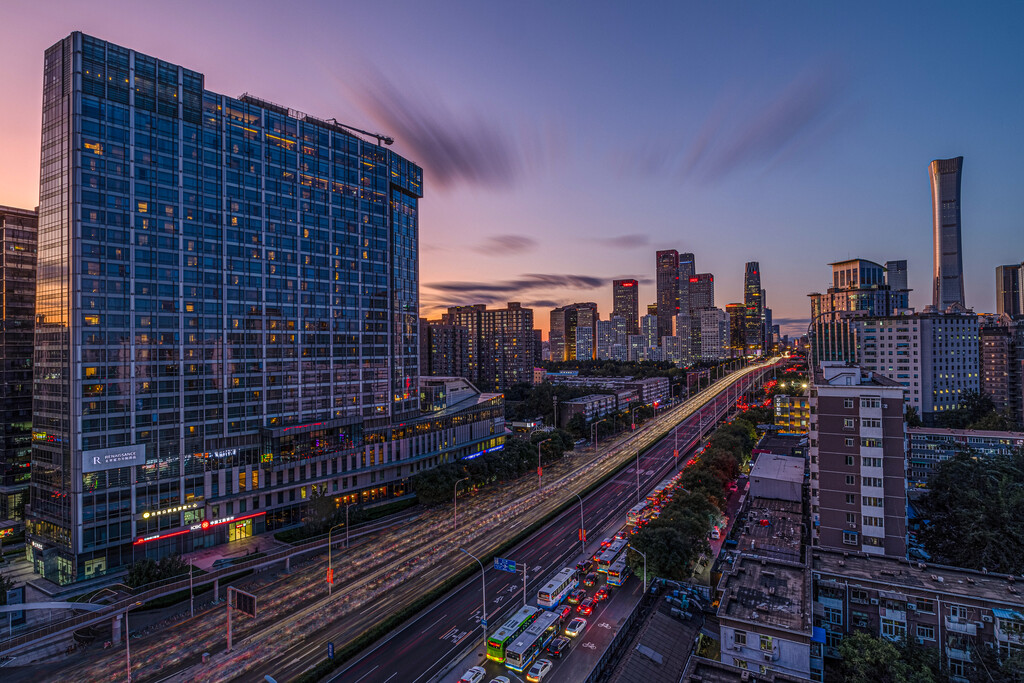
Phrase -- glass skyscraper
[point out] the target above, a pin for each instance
(948, 276)
(227, 303)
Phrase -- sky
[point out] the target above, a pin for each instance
(564, 143)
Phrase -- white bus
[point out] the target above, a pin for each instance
(636, 513)
(618, 572)
(521, 653)
(607, 558)
(556, 590)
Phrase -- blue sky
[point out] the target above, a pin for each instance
(577, 139)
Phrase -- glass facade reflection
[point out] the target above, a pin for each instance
(217, 276)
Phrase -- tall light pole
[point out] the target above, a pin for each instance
(128, 640)
(593, 432)
(456, 497)
(191, 592)
(638, 475)
(539, 470)
(583, 532)
(347, 506)
(645, 564)
(330, 565)
(483, 587)
(632, 417)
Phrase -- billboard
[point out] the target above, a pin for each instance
(108, 458)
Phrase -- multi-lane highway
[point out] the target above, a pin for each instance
(434, 642)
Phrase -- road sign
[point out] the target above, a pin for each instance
(504, 565)
(483, 622)
(330, 650)
(245, 602)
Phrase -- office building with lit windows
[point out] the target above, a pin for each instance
(226, 317)
(626, 303)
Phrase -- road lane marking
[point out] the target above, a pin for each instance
(390, 677)
(375, 667)
(432, 625)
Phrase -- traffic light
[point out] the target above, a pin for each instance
(330, 576)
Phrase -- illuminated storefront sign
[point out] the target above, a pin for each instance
(177, 508)
(109, 458)
(204, 525)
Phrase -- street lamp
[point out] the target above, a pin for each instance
(539, 470)
(330, 565)
(582, 532)
(128, 640)
(456, 497)
(645, 564)
(593, 432)
(483, 587)
(638, 475)
(632, 417)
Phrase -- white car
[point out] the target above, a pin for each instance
(474, 675)
(501, 679)
(539, 670)
(575, 627)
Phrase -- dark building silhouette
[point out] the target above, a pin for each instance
(948, 287)
(667, 274)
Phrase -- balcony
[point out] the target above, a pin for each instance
(1004, 637)
(895, 615)
(962, 626)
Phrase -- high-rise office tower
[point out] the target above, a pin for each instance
(652, 309)
(226, 315)
(754, 318)
(667, 272)
(626, 303)
(17, 315)
(573, 329)
(714, 334)
(896, 278)
(1009, 293)
(948, 288)
(737, 329)
(687, 269)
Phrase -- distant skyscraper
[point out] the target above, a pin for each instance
(714, 334)
(652, 309)
(948, 287)
(1009, 293)
(626, 303)
(754, 318)
(896, 278)
(566, 333)
(17, 316)
(667, 270)
(687, 269)
(737, 339)
(649, 331)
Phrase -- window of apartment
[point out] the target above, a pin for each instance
(851, 480)
(873, 541)
(739, 663)
(871, 443)
(851, 499)
(833, 615)
(870, 402)
(871, 462)
(848, 403)
(739, 637)
(926, 632)
(850, 537)
(851, 518)
(859, 596)
(873, 521)
(893, 630)
(925, 606)
(848, 423)
(957, 613)
(766, 643)
(871, 422)
(872, 481)
(849, 461)
(872, 501)
(957, 668)
(849, 442)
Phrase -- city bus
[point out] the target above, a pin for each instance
(610, 554)
(556, 590)
(508, 632)
(618, 572)
(521, 653)
(636, 513)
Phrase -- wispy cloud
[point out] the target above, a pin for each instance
(506, 245)
(470, 146)
(743, 131)
(529, 288)
(631, 241)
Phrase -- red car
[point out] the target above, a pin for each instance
(586, 607)
(601, 594)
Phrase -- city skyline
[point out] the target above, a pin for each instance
(833, 167)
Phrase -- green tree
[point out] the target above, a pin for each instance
(867, 659)
(148, 570)
(972, 512)
(911, 417)
(6, 584)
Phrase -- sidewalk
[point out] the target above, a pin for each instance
(205, 557)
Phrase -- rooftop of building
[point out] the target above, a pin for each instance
(942, 431)
(710, 671)
(779, 467)
(589, 398)
(767, 592)
(780, 444)
(770, 528)
(916, 575)
(839, 374)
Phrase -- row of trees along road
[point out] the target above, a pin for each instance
(678, 537)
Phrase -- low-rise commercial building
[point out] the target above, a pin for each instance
(778, 476)
(928, 446)
(591, 407)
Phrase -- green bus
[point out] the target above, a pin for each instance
(513, 627)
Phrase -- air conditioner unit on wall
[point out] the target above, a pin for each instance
(986, 618)
(767, 656)
(874, 601)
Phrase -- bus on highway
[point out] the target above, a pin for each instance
(521, 653)
(508, 632)
(610, 554)
(638, 512)
(556, 590)
(618, 572)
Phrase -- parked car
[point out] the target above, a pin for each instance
(474, 675)
(559, 646)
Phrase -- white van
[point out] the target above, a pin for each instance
(716, 534)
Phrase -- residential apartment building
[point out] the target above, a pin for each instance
(957, 611)
(999, 377)
(949, 360)
(592, 407)
(891, 346)
(447, 350)
(714, 334)
(928, 446)
(500, 343)
(18, 238)
(792, 414)
(857, 459)
(226, 317)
